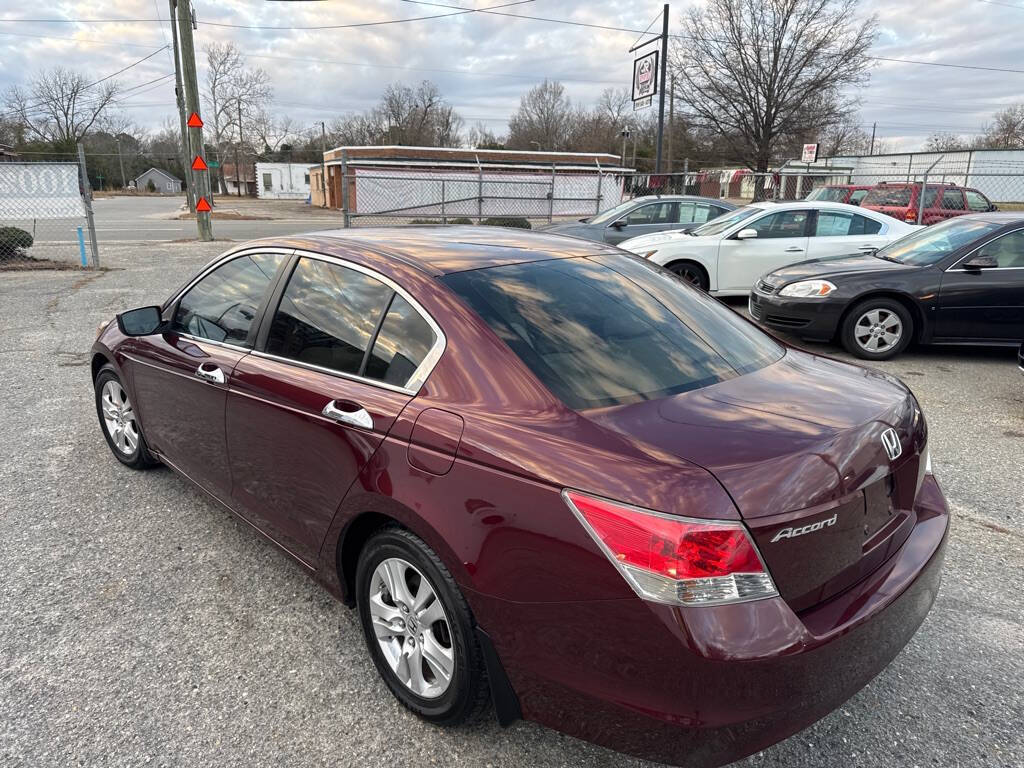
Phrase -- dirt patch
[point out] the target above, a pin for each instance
(28, 264)
(231, 215)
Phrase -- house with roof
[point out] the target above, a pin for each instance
(162, 181)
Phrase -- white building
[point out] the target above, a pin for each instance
(282, 181)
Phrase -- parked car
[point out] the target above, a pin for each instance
(644, 215)
(941, 201)
(727, 255)
(654, 528)
(961, 281)
(851, 194)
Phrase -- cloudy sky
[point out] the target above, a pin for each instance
(483, 62)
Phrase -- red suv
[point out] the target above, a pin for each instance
(941, 201)
(840, 193)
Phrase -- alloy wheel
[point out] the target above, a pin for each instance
(689, 274)
(119, 418)
(412, 628)
(878, 330)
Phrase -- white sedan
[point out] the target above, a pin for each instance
(727, 255)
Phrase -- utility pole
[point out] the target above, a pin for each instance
(186, 167)
(661, 86)
(120, 161)
(323, 161)
(238, 166)
(873, 127)
(671, 117)
(200, 179)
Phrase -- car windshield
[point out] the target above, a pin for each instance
(927, 246)
(723, 222)
(612, 213)
(663, 338)
(828, 194)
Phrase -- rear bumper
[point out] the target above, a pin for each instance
(706, 686)
(808, 318)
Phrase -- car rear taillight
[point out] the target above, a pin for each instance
(672, 559)
(910, 217)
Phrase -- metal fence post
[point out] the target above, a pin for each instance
(444, 217)
(686, 175)
(345, 217)
(479, 190)
(551, 195)
(597, 197)
(920, 200)
(87, 201)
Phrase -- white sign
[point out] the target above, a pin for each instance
(810, 153)
(40, 191)
(645, 76)
(641, 103)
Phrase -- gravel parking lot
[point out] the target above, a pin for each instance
(143, 626)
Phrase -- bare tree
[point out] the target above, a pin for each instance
(235, 94)
(757, 72)
(482, 137)
(1007, 129)
(60, 105)
(271, 134)
(944, 141)
(543, 119)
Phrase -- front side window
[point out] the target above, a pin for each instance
(857, 196)
(976, 201)
(612, 213)
(782, 224)
(828, 194)
(222, 306)
(1008, 250)
(655, 213)
(554, 316)
(327, 316)
(404, 340)
(927, 246)
(888, 196)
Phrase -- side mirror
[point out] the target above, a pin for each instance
(618, 224)
(993, 207)
(746, 234)
(140, 322)
(981, 261)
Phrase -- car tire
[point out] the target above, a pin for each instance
(690, 272)
(877, 329)
(118, 421)
(395, 560)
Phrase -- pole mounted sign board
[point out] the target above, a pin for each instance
(645, 79)
(810, 154)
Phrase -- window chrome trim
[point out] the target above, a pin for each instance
(427, 364)
(219, 261)
(953, 268)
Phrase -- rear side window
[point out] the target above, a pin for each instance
(327, 316)
(404, 340)
(555, 316)
(894, 196)
(828, 194)
(838, 224)
(222, 306)
(857, 195)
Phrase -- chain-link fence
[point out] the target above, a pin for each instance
(45, 216)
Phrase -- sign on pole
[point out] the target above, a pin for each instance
(645, 79)
(194, 121)
(810, 154)
(199, 164)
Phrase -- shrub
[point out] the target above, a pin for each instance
(150, 186)
(507, 221)
(425, 221)
(460, 220)
(13, 241)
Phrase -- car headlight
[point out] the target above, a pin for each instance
(808, 289)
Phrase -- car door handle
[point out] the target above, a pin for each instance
(348, 413)
(867, 248)
(211, 373)
(794, 249)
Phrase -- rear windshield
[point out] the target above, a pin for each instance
(897, 196)
(609, 330)
(927, 246)
(828, 194)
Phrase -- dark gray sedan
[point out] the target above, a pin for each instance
(644, 215)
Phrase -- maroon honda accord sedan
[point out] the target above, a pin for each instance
(549, 474)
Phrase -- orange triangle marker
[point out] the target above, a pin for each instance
(194, 121)
(202, 206)
(199, 164)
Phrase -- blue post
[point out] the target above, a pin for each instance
(81, 247)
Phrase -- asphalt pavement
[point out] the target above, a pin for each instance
(141, 625)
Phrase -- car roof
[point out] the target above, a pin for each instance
(774, 204)
(673, 198)
(440, 250)
(996, 217)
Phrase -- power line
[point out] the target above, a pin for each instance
(77, 40)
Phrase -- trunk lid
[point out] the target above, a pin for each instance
(798, 446)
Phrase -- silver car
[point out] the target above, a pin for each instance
(644, 215)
